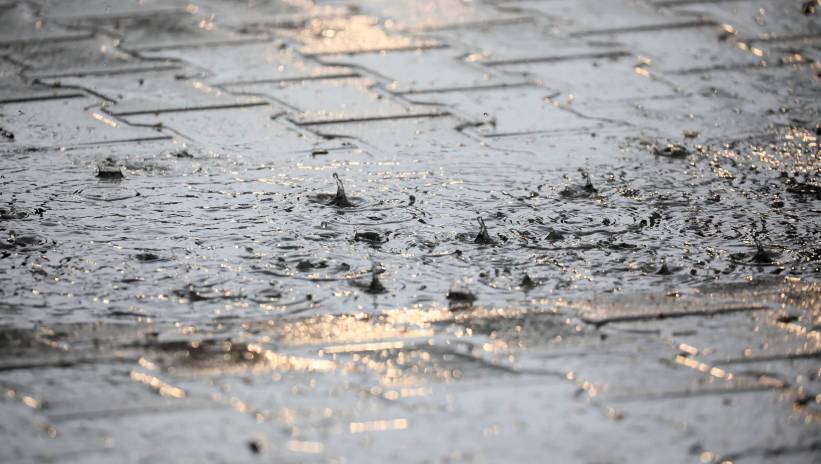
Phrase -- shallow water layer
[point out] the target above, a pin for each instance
(231, 239)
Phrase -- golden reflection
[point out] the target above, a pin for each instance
(308, 447)
(358, 347)
(30, 402)
(146, 364)
(378, 425)
(353, 34)
(104, 120)
(292, 363)
(691, 350)
(344, 328)
(393, 395)
(238, 405)
(702, 367)
(157, 385)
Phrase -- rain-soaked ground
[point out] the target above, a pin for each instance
(412, 231)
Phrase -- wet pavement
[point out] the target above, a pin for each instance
(410, 231)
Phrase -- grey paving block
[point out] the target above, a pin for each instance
(14, 88)
(433, 135)
(698, 45)
(92, 56)
(20, 26)
(159, 91)
(422, 70)
(751, 19)
(516, 109)
(262, 15)
(433, 15)
(249, 62)
(160, 30)
(520, 41)
(709, 103)
(73, 11)
(349, 35)
(700, 113)
(322, 101)
(67, 122)
(249, 133)
(590, 18)
(761, 416)
(577, 79)
(655, 306)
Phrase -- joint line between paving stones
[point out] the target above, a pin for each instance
(370, 119)
(184, 110)
(647, 28)
(376, 50)
(204, 44)
(226, 85)
(39, 98)
(104, 72)
(475, 88)
(651, 317)
(616, 54)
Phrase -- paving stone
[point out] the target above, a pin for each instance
(699, 113)
(67, 122)
(571, 149)
(155, 92)
(19, 25)
(493, 43)
(710, 103)
(14, 88)
(72, 11)
(699, 421)
(252, 133)
(404, 136)
(432, 14)
(596, 20)
(320, 101)
(751, 19)
(355, 34)
(661, 306)
(680, 48)
(430, 70)
(516, 109)
(250, 62)
(93, 56)
(576, 80)
(259, 16)
(764, 296)
(159, 30)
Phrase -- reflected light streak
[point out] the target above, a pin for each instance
(105, 120)
(359, 347)
(157, 385)
(378, 425)
(292, 363)
(309, 447)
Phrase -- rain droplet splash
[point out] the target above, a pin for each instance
(341, 199)
(483, 238)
